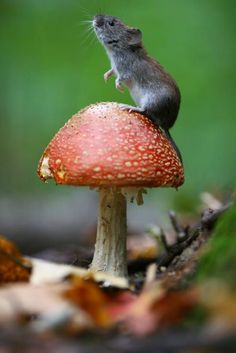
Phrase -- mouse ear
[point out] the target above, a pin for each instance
(135, 36)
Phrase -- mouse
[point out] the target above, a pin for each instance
(152, 88)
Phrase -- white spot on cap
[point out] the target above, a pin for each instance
(128, 164)
(141, 148)
(97, 169)
(121, 176)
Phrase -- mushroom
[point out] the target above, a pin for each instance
(119, 153)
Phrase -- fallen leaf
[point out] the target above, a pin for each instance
(90, 298)
(139, 314)
(13, 266)
(141, 247)
(76, 299)
(153, 308)
(49, 272)
(17, 300)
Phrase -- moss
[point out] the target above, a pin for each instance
(219, 261)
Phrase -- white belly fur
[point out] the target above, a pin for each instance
(141, 99)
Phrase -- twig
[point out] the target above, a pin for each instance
(208, 220)
(163, 240)
(209, 217)
(180, 231)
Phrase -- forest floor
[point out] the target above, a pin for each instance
(178, 298)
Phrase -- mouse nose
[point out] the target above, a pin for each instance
(98, 20)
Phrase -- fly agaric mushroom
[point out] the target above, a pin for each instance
(120, 153)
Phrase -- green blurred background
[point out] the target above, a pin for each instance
(50, 67)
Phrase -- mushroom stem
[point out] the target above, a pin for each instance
(110, 247)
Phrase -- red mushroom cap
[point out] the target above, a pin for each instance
(105, 145)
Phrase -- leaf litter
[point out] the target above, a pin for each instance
(48, 297)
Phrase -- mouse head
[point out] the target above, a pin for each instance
(114, 34)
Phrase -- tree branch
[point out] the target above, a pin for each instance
(189, 234)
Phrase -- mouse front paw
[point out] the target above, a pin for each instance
(108, 74)
(119, 85)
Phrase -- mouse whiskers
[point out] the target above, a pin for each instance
(88, 33)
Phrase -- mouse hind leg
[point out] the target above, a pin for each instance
(132, 108)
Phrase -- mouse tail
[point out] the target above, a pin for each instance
(170, 138)
(153, 118)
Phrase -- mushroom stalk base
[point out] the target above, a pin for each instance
(110, 248)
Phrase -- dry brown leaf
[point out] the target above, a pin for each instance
(90, 298)
(13, 266)
(140, 314)
(141, 247)
(42, 307)
(49, 272)
(80, 301)
(152, 309)
(25, 299)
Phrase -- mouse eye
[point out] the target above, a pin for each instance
(111, 23)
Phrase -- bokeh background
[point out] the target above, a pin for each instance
(51, 66)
